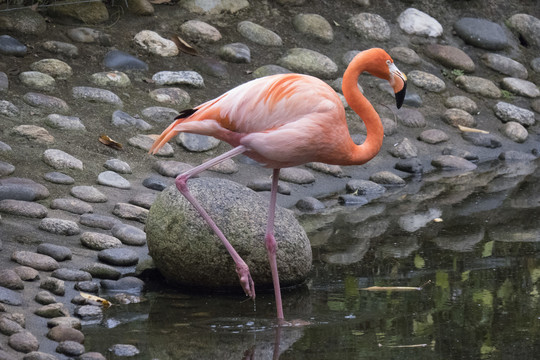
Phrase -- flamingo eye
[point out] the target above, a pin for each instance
(388, 62)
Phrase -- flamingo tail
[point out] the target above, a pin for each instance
(170, 132)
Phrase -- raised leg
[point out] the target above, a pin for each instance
(181, 183)
(271, 245)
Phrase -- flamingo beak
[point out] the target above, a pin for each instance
(399, 83)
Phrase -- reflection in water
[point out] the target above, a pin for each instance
(483, 260)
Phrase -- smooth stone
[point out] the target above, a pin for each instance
(433, 136)
(9, 327)
(411, 118)
(63, 122)
(387, 178)
(481, 33)
(61, 48)
(270, 69)
(45, 298)
(118, 166)
(70, 348)
(213, 67)
(33, 133)
(38, 355)
(51, 311)
(122, 61)
(122, 119)
(309, 62)
(484, 140)
(46, 102)
(126, 284)
(98, 221)
(352, 200)
(405, 55)
(71, 275)
(37, 81)
(370, 26)
(89, 313)
(88, 194)
(111, 78)
(9, 279)
(89, 35)
(4, 87)
(92, 356)
(513, 155)
(66, 321)
(404, 149)
(520, 87)
(450, 56)
(228, 166)
(11, 46)
(450, 162)
(53, 67)
(130, 212)
(235, 53)
(200, 31)
(196, 142)
(258, 34)
(98, 95)
(528, 27)
(461, 153)
(309, 204)
(119, 257)
(159, 114)
(54, 285)
(171, 96)
(171, 168)
(463, 103)
(129, 235)
(23, 208)
(24, 21)
(112, 179)
(58, 178)
(156, 183)
(456, 117)
(314, 26)
(214, 7)
(191, 78)
(86, 13)
(509, 112)
(515, 132)
(59, 226)
(5, 170)
(266, 185)
(410, 165)
(24, 342)
(26, 273)
(145, 142)
(102, 271)
(505, 65)
(22, 189)
(479, 86)
(36, 261)
(99, 241)
(124, 350)
(334, 170)
(364, 187)
(72, 205)
(61, 160)
(87, 286)
(426, 81)
(8, 109)
(155, 44)
(57, 252)
(416, 22)
(296, 175)
(535, 64)
(10, 297)
(63, 333)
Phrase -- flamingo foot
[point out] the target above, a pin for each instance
(245, 280)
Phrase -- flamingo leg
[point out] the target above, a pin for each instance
(271, 245)
(181, 183)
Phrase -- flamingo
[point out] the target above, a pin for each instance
(282, 121)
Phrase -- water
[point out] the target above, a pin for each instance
(470, 241)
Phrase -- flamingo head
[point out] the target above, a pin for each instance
(382, 66)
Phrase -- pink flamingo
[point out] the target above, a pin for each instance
(286, 120)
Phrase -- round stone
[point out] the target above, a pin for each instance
(481, 33)
(66, 321)
(64, 333)
(45, 298)
(426, 81)
(24, 342)
(118, 166)
(58, 178)
(99, 241)
(433, 136)
(315, 26)
(129, 235)
(54, 285)
(515, 131)
(102, 271)
(113, 179)
(57, 252)
(119, 256)
(463, 103)
(9, 279)
(72, 205)
(59, 226)
(98, 221)
(71, 274)
(35, 261)
(88, 194)
(128, 284)
(258, 34)
(124, 350)
(296, 176)
(70, 348)
(370, 26)
(416, 22)
(456, 117)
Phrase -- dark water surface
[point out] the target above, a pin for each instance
(470, 241)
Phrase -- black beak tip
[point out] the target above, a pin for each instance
(400, 95)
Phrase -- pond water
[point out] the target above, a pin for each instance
(470, 242)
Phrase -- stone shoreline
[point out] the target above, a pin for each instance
(73, 203)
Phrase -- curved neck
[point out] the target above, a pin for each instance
(361, 154)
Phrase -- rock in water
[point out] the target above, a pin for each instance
(186, 251)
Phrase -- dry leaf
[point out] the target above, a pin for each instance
(437, 220)
(184, 46)
(102, 301)
(468, 129)
(104, 139)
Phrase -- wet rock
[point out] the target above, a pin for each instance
(412, 118)
(71, 274)
(515, 132)
(309, 62)
(102, 271)
(88, 36)
(9, 327)
(98, 95)
(215, 7)
(171, 96)
(124, 350)
(144, 200)
(405, 55)
(309, 204)
(37, 81)
(63, 122)
(426, 81)
(70, 348)
(352, 200)
(171, 168)
(478, 85)
(66, 321)
(110, 78)
(199, 31)
(145, 142)
(61, 48)
(365, 187)
(159, 114)
(334, 170)
(404, 149)
(64, 333)
(8, 109)
(130, 212)
(9, 279)
(54, 285)
(23, 21)
(450, 56)
(314, 26)
(481, 33)
(61, 160)
(112, 179)
(10, 297)
(156, 183)
(126, 284)
(258, 34)
(122, 61)
(512, 155)
(59, 226)
(123, 119)
(416, 22)
(53, 67)
(212, 67)
(22, 189)
(191, 78)
(450, 162)
(89, 313)
(410, 165)
(484, 140)
(118, 166)
(520, 87)
(296, 175)
(370, 26)
(37, 355)
(87, 286)
(461, 153)
(119, 256)
(129, 235)
(24, 342)
(36, 261)
(508, 112)
(88, 194)
(155, 44)
(57, 252)
(58, 178)
(45, 298)
(171, 243)
(26, 273)
(4, 86)
(535, 64)
(387, 178)
(463, 103)
(535, 105)
(33, 133)
(196, 142)
(228, 166)
(74, 206)
(99, 241)
(456, 117)
(52, 311)
(5, 170)
(86, 13)
(46, 102)
(527, 26)
(505, 65)
(98, 221)
(235, 53)
(11, 46)
(92, 356)
(23, 208)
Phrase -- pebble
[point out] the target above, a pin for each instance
(92, 356)
(24, 342)
(119, 256)
(10, 297)
(102, 271)
(37, 81)
(520, 87)
(130, 212)
(9, 279)
(89, 313)
(266, 185)
(37, 355)
(156, 183)
(98, 95)
(110, 79)
(36, 261)
(11, 46)
(364, 187)
(334, 170)
(9, 327)
(118, 166)
(478, 85)
(484, 140)
(426, 81)
(505, 65)
(515, 131)
(457, 117)
(89, 35)
(46, 102)
(66, 321)
(527, 27)
(88, 194)
(70, 348)
(27, 273)
(509, 112)
(61, 48)
(191, 78)
(235, 53)
(64, 333)
(463, 103)
(404, 149)
(71, 274)
(512, 155)
(196, 142)
(126, 284)
(314, 26)
(57, 252)
(370, 26)
(155, 44)
(61, 160)
(54, 285)
(53, 67)
(270, 69)
(99, 241)
(122, 61)
(481, 33)
(63, 122)
(5, 170)
(74, 206)
(33, 133)
(258, 34)
(404, 55)
(352, 200)
(535, 64)
(98, 221)
(124, 350)
(58, 178)
(310, 204)
(199, 31)
(113, 179)
(45, 298)
(123, 119)
(8, 109)
(450, 162)
(59, 226)
(461, 153)
(87, 286)
(310, 62)
(22, 189)
(144, 200)
(171, 96)
(412, 118)
(228, 166)
(296, 175)
(416, 22)
(145, 142)
(410, 165)
(52, 311)
(171, 168)
(129, 235)
(450, 56)
(387, 178)
(159, 114)
(4, 87)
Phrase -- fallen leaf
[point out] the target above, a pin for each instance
(184, 46)
(104, 139)
(437, 220)
(468, 129)
(102, 301)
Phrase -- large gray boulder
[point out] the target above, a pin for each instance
(186, 251)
